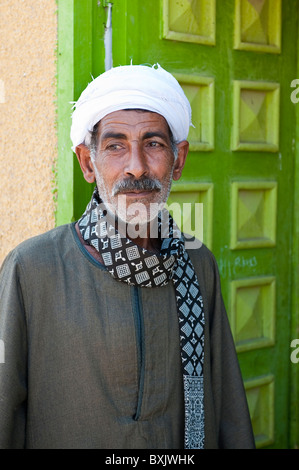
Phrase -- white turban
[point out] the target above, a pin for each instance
(131, 87)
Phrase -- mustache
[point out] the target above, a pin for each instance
(140, 184)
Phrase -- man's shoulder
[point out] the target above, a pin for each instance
(198, 251)
(44, 245)
(203, 260)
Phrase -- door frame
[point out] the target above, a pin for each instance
(74, 72)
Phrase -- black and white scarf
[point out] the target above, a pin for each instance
(127, 262)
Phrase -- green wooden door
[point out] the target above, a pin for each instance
(235, 60)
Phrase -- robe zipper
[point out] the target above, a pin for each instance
(139, 328)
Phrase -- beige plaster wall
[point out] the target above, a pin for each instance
(28, 37)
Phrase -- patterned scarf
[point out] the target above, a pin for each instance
(129, 263)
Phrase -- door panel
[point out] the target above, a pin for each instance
(235, 60)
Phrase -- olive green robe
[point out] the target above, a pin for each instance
(93, 363)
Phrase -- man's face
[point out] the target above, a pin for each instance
(134, 164)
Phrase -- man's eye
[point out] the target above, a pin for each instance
(155, 144)
(113, 147)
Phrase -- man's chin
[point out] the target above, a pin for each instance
(137, 213)
(136, 220)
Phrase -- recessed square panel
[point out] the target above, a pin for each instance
(191, 205)
(258, 25)
(254, 214)
(252, 312)
(189, 21)
(260, 398)
(256, 116)
(200, 92)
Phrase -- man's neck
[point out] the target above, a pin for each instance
(145, 236)
(148, 243)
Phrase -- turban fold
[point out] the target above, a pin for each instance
(132, 87)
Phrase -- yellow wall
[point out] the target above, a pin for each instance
(28, 38)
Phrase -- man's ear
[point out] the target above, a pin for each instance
(83, 155)
(183, 148)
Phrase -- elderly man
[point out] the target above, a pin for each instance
(115, 335)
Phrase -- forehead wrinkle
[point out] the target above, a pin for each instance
(131, 119)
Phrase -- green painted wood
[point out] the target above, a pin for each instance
(143, 43)
(138, 38)
(80, 57)
(65, 94)
(83, 59)
(294, 375)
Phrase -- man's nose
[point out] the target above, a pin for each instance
(135, 164)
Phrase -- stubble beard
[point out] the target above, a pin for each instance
(134, 213)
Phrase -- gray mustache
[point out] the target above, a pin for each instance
(141, 184)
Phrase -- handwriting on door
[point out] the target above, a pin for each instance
(229, 268)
